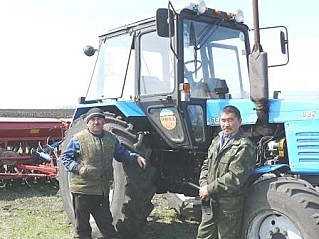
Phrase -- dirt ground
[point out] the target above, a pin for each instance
(36, 212)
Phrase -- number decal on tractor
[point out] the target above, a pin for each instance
(309, 114)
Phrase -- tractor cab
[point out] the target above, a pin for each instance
(171, 65)
(214, 57)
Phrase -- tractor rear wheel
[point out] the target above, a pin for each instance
(282, 207)
(64, 176)
(132, 191)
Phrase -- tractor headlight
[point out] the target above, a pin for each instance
(201, 7)
(239, 16)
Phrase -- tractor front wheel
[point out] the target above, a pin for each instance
(282, 207)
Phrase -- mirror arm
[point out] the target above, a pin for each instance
(170, 22)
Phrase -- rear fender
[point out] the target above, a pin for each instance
(271, 169)
(128, 109)
(275, 170)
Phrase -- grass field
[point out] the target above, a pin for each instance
(32, 212)
(36, 212)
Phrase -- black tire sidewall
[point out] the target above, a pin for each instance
(286, 196)
(64, 176)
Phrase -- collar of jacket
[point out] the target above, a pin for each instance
(234, 141)
(97, 135)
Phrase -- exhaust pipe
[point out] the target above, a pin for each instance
(258, 74)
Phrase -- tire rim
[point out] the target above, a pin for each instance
(273, 225)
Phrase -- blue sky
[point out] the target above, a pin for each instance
(42, 64)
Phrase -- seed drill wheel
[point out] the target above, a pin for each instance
(3, 182)
(132, 190)
(282, 207)
(9, 168)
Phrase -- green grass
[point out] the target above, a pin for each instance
(32, 213)
(36, 212)
(164, 223)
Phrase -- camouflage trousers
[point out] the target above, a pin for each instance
(224, 225)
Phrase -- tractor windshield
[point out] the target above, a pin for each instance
(113, 66)
(213, 53)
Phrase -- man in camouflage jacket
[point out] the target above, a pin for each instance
(230, 161)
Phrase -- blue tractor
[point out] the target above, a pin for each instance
(162, 83)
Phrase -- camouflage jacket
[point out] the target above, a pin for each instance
(226, 172)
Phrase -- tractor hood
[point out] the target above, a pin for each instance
(280, 110)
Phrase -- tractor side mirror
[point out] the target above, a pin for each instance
(164, 22)
(275, 43)
(89, 50)
(283, 42)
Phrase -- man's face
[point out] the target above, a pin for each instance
(229, 123)
(95, 125)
